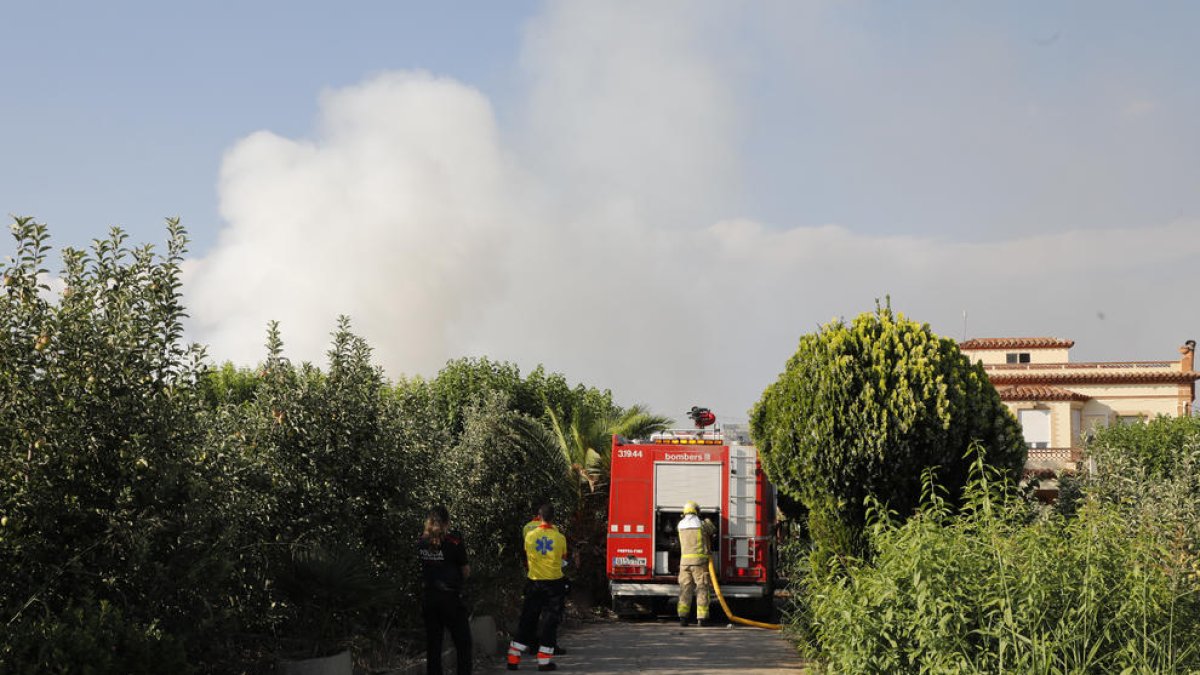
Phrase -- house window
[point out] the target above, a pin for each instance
(1129, 420)
(1093, 422)
(1035, 425)
(1016, 357)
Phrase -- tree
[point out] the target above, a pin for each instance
(862, 409)
(465, 381)
(503, 463)
(586, 446)
(105, 500)
(228, 384)
(586, 443)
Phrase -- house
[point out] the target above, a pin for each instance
(1058, 402)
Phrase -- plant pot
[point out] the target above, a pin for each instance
(337, 664)
(483, 635)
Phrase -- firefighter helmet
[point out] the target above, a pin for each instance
(691, 507)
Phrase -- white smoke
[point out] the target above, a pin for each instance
(398, 214)
(598, 237)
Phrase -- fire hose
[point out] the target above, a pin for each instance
(712, 574)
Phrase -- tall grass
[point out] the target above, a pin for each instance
(1001, 586)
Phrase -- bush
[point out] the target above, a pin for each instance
(1002, 588)
(502, 466)
(88, 639)
(153, 505)
(861, 410)
(464, 382)
(1158, 446)
(326, 466)
(103, 490)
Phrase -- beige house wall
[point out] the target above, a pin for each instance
(1118, 400)
(1062, 434)
(1108, 404)
(991, 357)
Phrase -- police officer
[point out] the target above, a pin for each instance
(695, 546)
(444, 568)
(545, 549)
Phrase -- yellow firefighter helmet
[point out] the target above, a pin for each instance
(691, 507)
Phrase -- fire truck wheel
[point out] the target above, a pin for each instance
(625, 607)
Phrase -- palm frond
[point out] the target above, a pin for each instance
(535, 438)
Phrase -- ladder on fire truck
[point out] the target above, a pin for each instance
(743, 542)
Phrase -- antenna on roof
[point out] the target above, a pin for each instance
(964, 337)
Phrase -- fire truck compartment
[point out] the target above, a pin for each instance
(728, 590)
(666, 539)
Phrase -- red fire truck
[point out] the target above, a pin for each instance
(651, 480)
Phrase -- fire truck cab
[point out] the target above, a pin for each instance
(651, 480)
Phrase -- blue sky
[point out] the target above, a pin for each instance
(118, 113)
(540, 182)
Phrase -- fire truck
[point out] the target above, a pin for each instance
(652, 479)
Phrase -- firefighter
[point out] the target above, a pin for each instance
(541, 610)
(694, 544)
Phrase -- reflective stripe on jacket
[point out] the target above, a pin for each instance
(694, 541)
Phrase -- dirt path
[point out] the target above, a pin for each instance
(664, 647)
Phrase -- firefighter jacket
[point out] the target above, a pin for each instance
(545, 549)
(694, 536)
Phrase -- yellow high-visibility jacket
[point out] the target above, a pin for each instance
(545, 549)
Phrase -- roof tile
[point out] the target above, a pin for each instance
(1033, 392)
(1117, 377)
(1017, 343)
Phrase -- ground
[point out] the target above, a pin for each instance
(665, 647)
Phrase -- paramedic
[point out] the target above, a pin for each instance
(532, 525)
(545, 549)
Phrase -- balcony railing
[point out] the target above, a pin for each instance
(1051, 454)
(1100, 365)
(1048, 463)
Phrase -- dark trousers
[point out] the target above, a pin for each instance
(540, 613)
(445, 610)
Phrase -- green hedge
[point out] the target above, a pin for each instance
(1006, 587)
(158, 515)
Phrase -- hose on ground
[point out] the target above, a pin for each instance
(712, 574)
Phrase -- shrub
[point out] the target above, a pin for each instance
(149, 505)
(465, 381)
(327, 467)
(86, 639)
(102, 479)
(862, 409)
(503, 464)
(1001, 588)
(1158, 446)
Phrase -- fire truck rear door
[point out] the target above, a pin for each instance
(677, 484)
